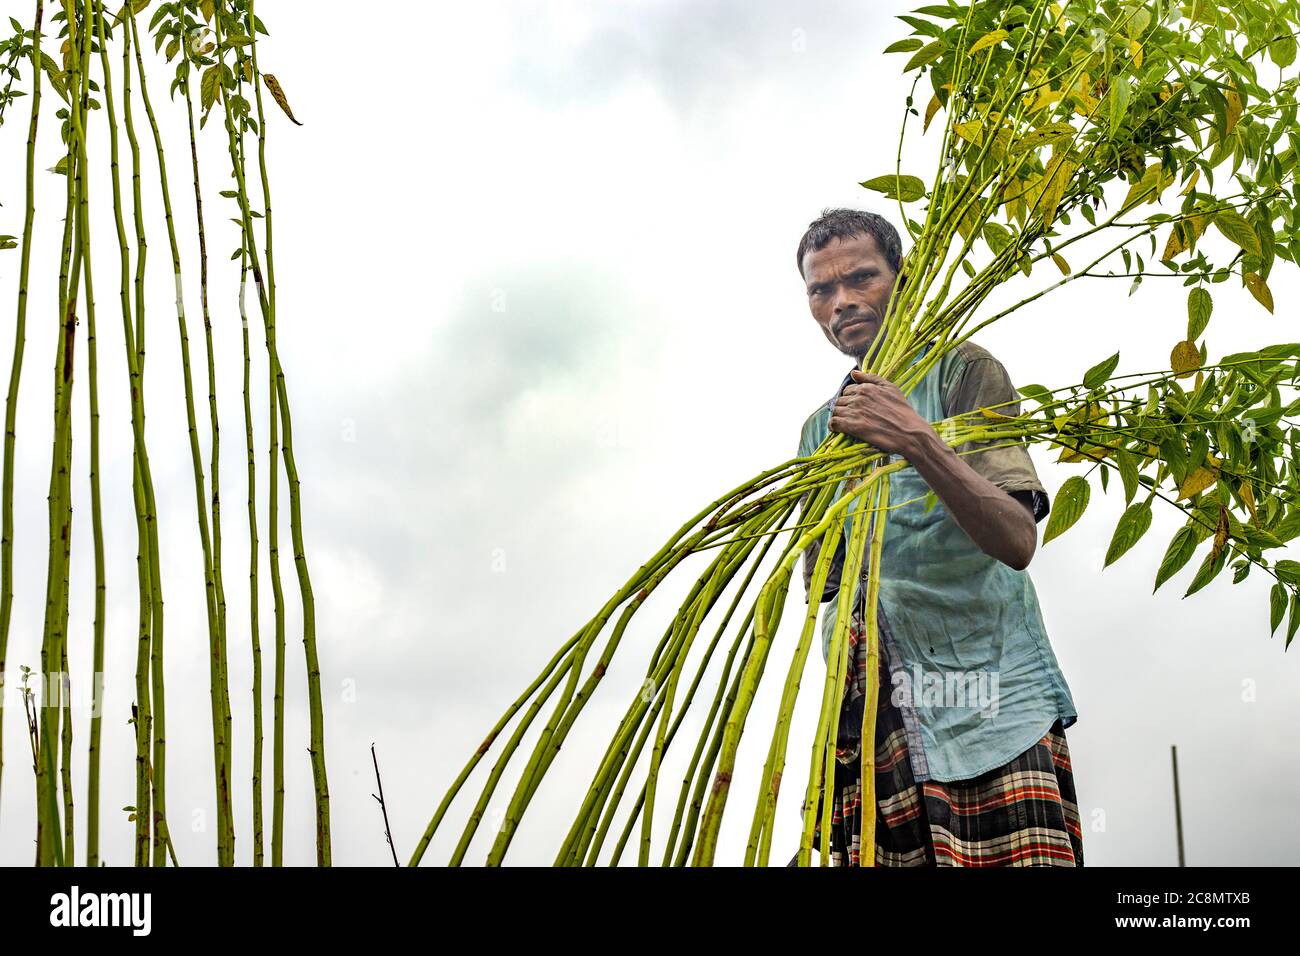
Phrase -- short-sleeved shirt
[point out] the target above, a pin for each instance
(950, 613)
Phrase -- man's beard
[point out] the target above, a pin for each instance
(859, 352)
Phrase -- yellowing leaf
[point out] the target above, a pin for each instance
(1087, 104)
(1045, 195)
(1259, 289)
(988, 40)
(1185, 359)
(971, 131)
(1247, 494)
(1058, 17)
(1196, 482)
(273, 85)
(995, 416)
(209, 87)
(930, 111)
(1169, 91)
(1047, 135)
(1174, 245)
(1135, 50)
(1154, 181)
(1191, 183)
(1234, 107)
(1220, 534)
(1061, 263)
(1045, 97)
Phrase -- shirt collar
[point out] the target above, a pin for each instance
(848, 378)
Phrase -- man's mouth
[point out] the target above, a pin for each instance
(851, 326)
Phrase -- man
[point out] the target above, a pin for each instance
(972, 767)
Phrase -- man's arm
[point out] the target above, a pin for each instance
(876, 411)
(1003, 527)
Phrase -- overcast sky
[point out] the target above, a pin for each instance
(538, 305)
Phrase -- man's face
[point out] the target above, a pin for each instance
(849, 284)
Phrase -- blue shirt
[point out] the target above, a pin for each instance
(962, 635)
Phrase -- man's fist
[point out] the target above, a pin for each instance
(874, 410)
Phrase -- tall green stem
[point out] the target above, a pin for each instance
(16, 368)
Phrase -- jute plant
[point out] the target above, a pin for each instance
(1122, 128)
(216, 42)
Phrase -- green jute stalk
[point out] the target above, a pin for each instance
(867, 736)
(591, 840)
(279, 390)
(773, 769)
(770, 602)
(315, 705)
(677, 638)
(15, 372)
(259, 843)
(273, 494)
(565, 657)
(215, 470)
(50, 840)
(571, 703)
(643, 806)
(65, 769)
(97, 526)
(157, 682)
(97, 531)
(717, 582)
(145, 811)
(219, 694)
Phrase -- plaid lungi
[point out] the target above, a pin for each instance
(1024, 813)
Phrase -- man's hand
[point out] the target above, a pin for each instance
(874, 410)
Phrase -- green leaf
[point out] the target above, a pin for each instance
(1132, 525)
(1069, 506)
(1178, 554)
(1238, 230)
(905, 188)
(1200, 305)
(1036, 393)
(1294, 621)
(926, 55)
(1128, 472)
(1117, 104)
(1208, 570)
(1287, 571)
(1099, 373)
(997, 237)
(904, 46)
(1282, 51)
(1276, 607)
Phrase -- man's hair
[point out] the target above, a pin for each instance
(845, 224)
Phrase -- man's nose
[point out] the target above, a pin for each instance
(843, 301)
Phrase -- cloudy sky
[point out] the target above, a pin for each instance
(537, 305)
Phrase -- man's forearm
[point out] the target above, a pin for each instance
(1002, 526)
